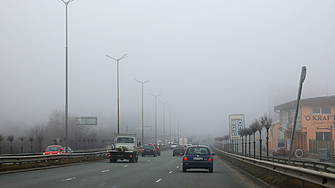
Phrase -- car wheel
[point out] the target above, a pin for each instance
(143, 155)
(155, 155)
(131, 160)
(136, 159)
(174, 155)
(184, 169)
(110, 160)
(210, 170)
(159, 154)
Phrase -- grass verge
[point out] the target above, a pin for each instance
(273, 179)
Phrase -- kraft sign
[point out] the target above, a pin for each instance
(319, 117)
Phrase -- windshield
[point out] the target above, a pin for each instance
(53, 149)
(124, 140)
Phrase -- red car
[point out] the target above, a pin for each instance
(157, 149)
(279, 151)
(54, 149)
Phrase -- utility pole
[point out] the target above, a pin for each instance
(142, 109)
(118, 89)
(155, 116)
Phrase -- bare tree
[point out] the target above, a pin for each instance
(254, 128)
(31, 139)
(260, 128)
(266, 122)
(249, 134)
(21, 138)
(1, 139)
(38, 131)
(10, 138)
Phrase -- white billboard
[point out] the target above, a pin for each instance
(236, 123)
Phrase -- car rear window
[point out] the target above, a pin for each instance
(197, 151)
(149, 147)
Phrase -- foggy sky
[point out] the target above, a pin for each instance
(208, 59)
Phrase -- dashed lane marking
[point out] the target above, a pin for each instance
(158, 180)
(69, 179)
(126, 166)
(104, 171)
(177, 166)
(170, 172)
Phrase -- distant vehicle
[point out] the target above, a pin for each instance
(279, 151)
(157, 148)
(69, 150)
(160, 143)
(53, 149)
(149, 150)
(188, 145)
(198, 157)
(173, 146)
(182, 141)
(178, 150)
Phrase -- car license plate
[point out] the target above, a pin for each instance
(148, 150)
(198, 158)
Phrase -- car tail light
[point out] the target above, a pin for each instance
(185, 158)
(131, 156)
(142, 149)
(210, 158)
(109, 155)
(157, 147)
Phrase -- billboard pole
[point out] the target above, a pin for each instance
(302, 79)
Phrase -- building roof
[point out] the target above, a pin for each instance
(316, 101)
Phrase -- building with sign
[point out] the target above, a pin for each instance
(314, 128)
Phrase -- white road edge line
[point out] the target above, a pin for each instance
(104, 171)
(158, 180)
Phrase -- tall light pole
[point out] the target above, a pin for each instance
(66, 2)
(170, 122)
(164, 120)
(155, 116)
(142, 108)
(118, 89)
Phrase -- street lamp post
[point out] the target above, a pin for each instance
(142, 108)
(66, 71)
(118, 90)
(155, 116)
(164, 120)
(170, 122)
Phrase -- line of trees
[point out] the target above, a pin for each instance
(39, 136)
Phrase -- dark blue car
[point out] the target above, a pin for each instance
(198, 157)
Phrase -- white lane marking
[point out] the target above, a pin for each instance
(102, 184)
(126, 166)
(104, 171)
(158, 180)
(68, 179)
(170, 172)
(177, 166)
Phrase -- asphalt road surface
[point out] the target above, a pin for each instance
(161, 171)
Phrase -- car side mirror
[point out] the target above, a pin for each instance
(43, 150)
(213, 154)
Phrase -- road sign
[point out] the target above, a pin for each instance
(138, 128)
(236, 124)
(86, 120)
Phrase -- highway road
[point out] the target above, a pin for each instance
(161, 171)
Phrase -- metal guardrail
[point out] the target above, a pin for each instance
(303, 170)
(38, 158)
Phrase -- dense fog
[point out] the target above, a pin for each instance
(206, 59)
